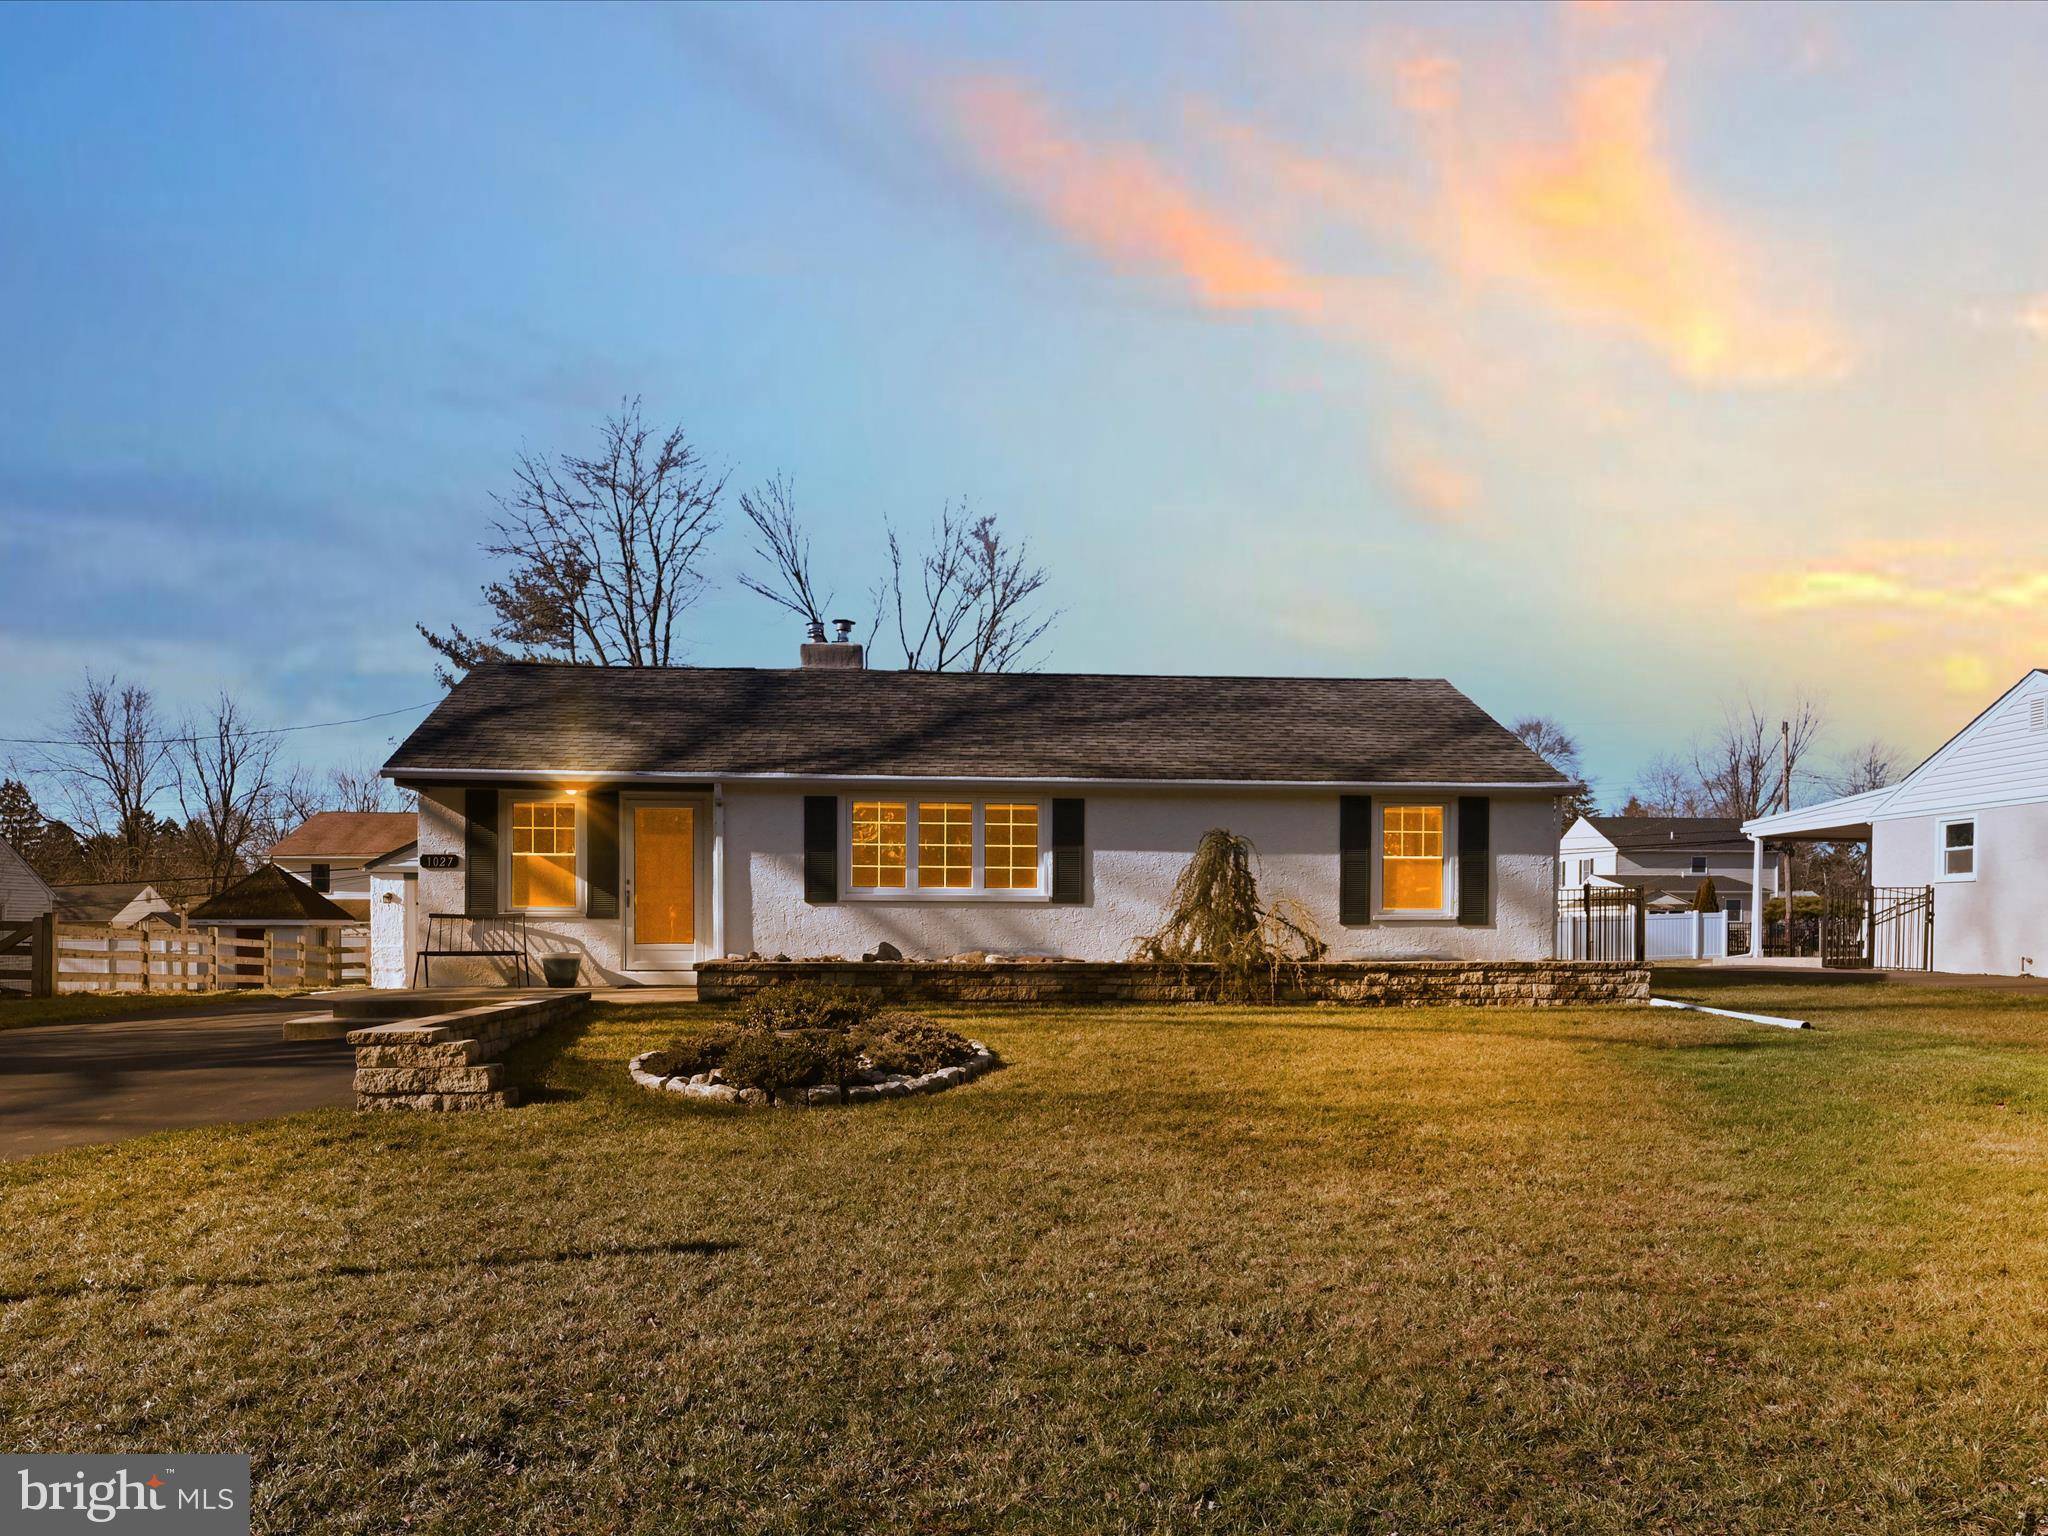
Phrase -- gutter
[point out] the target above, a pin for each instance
(598, 776)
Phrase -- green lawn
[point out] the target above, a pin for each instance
(1172, 1269)
(84, 1007)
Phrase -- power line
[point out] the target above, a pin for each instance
(275, 730)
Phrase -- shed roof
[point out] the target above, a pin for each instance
(555, 719)
(270, 894)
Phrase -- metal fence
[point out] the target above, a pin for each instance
(1601, 922)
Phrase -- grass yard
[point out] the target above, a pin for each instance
(1173, 1269)
(85, 1007)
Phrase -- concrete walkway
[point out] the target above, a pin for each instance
(65, 1085)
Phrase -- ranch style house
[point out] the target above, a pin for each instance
(647, 819)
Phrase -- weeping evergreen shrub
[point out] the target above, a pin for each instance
(1217, 920)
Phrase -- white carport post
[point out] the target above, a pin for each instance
(717, 870)
(1756, 897)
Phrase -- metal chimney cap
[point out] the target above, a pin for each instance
(845, 628)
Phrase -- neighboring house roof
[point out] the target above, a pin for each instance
(21, 876)
(1917, 793)
(270, 895)
(1686, 834)
(679, 722)
(401, 859)
(348, 835)
(108, 901)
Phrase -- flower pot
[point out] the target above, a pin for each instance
(560, 970)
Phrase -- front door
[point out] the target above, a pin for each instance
(665, 907)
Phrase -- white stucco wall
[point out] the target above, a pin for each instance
(393, 898)
(1996, 923)
(1138, 842)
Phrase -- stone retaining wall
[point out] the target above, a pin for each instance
(451, 1060)
(1379, 983)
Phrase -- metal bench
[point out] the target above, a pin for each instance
(440, 945)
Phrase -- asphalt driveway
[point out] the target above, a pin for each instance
(63, 1085)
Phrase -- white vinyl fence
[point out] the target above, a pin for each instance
(1686, 935)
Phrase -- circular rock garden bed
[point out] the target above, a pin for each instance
(800, 1044)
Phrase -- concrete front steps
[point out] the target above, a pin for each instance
(361, 1008)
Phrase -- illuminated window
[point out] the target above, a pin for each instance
(543, 854)
(945, 845)
(880, 844)
(1412, 858)
(1009, 858)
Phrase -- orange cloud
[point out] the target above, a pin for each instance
(1428, 480)
(1116, 201)
(1600, 227)
(1853, 587)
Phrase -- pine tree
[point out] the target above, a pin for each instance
(21, 822)
(1706, 898)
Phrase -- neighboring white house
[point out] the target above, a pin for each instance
(23, 892)
(115, 903)
(1971, 825)
(332, 851)
(1669, 856)
(647, 818)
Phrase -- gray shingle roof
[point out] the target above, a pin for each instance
(269, 894)
(1687, 832)
(714, 721)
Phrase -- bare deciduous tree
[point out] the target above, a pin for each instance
(966, 604)
(1749, 765)
(1559, 748)
(1666, 786)
(224, 786)
(113, 761)
(604, 553)
(1873, 765)
(360, 787)
(784, 550)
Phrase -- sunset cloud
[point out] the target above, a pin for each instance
(1428, 480)
(1117, 201)
(1597, 224)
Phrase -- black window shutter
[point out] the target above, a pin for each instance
(1069, 839)
(601, 858)
(480, 853)
(1475, 860)
(1354, 860)
(821, 849)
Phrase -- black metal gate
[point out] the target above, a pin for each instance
(1881, 927)
(1601, 922)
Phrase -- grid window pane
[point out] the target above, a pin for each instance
(1412, 858)
(881, 831)
(543, 853)
(945, 844)
(1010, 847)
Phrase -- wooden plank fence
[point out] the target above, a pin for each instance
(42, 956)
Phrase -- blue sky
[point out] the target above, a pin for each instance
(1606, 359)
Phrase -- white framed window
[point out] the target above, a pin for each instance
(1733, 907)
(1699, 864)
(1957, 850)
(541, 866)
(1413, 874)
(910, 847)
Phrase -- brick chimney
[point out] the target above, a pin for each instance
(840, 651)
